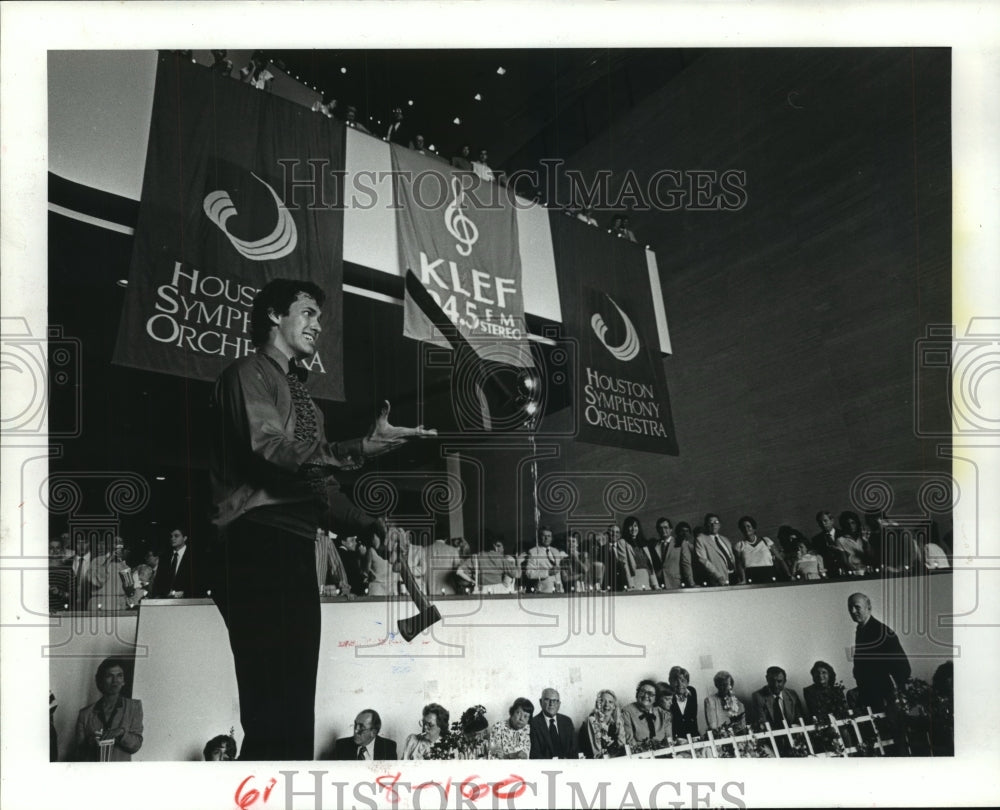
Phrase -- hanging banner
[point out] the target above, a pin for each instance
(620, 389)
(458, 234)
(240, 187)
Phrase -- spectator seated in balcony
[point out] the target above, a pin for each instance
(481, 167)
(351, 120)
(715, 562)
(418, 145)
(625, 566)
(461, 160)
(350, 556)
(825, 544)
(60, 577)
(807, 564)
(443, 561)
(677, 554)
(541, 563)
(757, 557)
(647, 558)
(852, 543)
(626, 230)
(107, 589)
(575, 566)
(141, 578)
(220, 64)
(375, 568)
(396, 131)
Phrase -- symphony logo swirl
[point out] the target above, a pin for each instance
(280, 242)
(458, 224)
(629, 348)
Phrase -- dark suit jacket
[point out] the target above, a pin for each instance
(541, 742)
(762, 708)
(185, 580)
(686, 723)
(823, 545)
(345, 748)
(878, 655)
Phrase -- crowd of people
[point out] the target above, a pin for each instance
(397, 129)
(664, 711)
(110, 574)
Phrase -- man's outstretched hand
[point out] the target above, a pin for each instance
(385, 437)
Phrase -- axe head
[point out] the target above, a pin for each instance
(415, 625)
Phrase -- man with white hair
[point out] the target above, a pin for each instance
(880, 664)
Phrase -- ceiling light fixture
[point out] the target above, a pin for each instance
(501, 71)
(457, 121)
(478, 97)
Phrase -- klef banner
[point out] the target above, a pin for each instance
(458, 234)
(240, 187)
(620, 389)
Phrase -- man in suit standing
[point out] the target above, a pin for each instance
(444, 561)
(774, 703)
(176, 576)
(366, 742)
(81, 584)
(880, 664)
(396, 131)
(541, 564)
(825, 543)
(552, 734)
(714, 553)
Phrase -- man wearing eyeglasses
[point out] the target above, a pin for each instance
(552, 734)
(366, 742)
(644, 721)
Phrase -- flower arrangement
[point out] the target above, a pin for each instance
(914, 697)
(750, 748)
(467, 738)
(606, 742)
(641, 746)
(827, 738)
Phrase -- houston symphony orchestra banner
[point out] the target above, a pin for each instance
(458, 234)
(240, 187)
(620, 391)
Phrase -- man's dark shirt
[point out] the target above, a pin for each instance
(257, 463)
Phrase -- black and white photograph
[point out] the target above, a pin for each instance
(399, 398)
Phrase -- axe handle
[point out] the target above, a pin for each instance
(414, 590)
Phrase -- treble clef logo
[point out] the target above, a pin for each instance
(458, 224)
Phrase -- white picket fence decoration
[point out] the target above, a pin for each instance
(714, 744)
